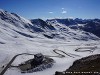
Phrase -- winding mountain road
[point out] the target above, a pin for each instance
(55, 51)
(11, 61)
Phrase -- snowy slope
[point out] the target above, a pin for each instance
(19, 35)
(21, 26)
(87, 25)
(66, 31)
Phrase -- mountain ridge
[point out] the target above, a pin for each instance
(88, 25)
(27, 28)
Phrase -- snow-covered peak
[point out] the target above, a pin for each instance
(1, 11)
(67, 21)
(53, 29)
(4, 15)
(42, 24)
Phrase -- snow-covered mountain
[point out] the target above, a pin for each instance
(88, 25)
(42, 24)
(14, 24)
(92, 26)
(64, 28)
(20, 35)
(66, 22)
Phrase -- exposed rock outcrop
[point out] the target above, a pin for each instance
(86, 66)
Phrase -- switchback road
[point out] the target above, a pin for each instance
(58, 52)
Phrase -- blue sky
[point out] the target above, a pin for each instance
(53, 8)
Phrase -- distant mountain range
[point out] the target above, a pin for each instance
(88, 25)
(14, 26)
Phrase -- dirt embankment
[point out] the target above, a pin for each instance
(86, 66)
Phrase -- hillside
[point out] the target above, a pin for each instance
(19, 35)
(85, 66)
(88, 25)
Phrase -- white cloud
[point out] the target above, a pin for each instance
(64, 12)
(62, 8)
(50, 12)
